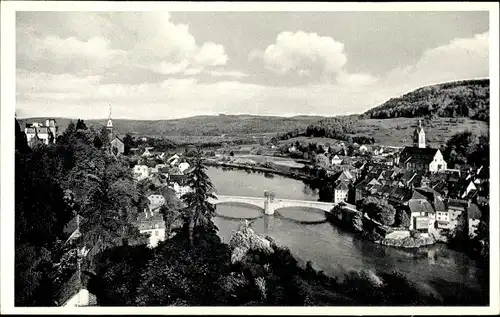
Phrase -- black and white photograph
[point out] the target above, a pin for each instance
(215, 156)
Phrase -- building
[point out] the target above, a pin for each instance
(365, 188)
(44, 133)
(117, 145)
(340, 191)
(180, 190)
(75, 292)
(156, 200)
(141, 172)
(420, 157)
(457, 209)
(152, 224)
(336, 160)
(183, 166)
(146, 152)
(473, 218)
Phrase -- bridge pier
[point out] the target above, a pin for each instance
(268, 207)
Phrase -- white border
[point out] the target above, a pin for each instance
(8, 56)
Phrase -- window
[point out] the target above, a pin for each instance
(156, 233)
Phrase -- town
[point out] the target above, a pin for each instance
(427, 199)
(247, 158)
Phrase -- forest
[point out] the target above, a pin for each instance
(468, 98)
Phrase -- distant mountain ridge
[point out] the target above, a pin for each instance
(209, 125)
(466, 98)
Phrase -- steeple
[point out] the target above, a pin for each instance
(419, 136)
(109, 126)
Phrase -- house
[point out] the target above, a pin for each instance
(336, 160)
(422, 213)
(173, 158)
(152, 224)
(457, 209)
(365, 188)
(180, 190)
(377, 149)
(117, 143)
(156, 200)
(363, 148)
(71, 230)
(38, 132)
(146, 152)
(420, 157)
(141, 172)
(462, 188)
(292, 149)
(473, 218)
(183, 166)
(340, 191)
(75, 292)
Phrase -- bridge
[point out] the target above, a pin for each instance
(269, 205)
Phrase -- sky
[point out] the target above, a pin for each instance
(166, 65)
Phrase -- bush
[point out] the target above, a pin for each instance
(415, 234)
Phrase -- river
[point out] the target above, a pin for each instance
(330, 248)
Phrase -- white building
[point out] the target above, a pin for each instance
(152, 224)
(183, 166)
(336, 160)
(141, 172)
(46, 134)
(156, 200)
(180, 190)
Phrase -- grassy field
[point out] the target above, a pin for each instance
(399, 131)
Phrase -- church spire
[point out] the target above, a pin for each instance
(419, 136)
(109, 126)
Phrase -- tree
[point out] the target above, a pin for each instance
(459, 149)
(80, 125)
(322, 161)
(128, 143)
(170, 210)
(21, 143)
(198, 210)
(97, 142)
(402, 218)
(378, 209)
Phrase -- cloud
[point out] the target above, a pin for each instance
(345, 78)
(143, 40)
(302, 52)
(461, 58)
(235, 74)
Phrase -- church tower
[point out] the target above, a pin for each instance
(419, 136)
(109, 126)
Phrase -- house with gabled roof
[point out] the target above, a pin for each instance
(365, 188)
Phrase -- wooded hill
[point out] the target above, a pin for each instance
(467, 98)
(198, 125)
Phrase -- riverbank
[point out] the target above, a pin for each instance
(289, 174)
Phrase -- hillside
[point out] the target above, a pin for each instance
(468, 98)
(199, 125)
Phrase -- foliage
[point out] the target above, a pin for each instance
(171, 210)
(119, 273)
(402, 218)
(198, 210)
(341, 128)
(52, 183)
(468, 98)
(378, 209)
(415, 234)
